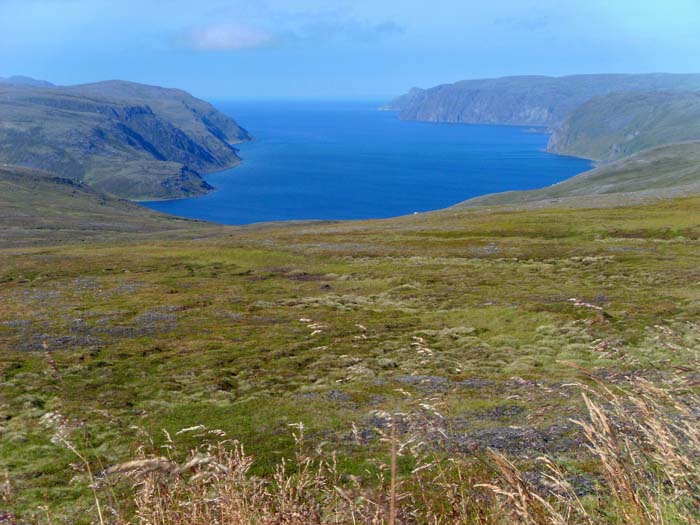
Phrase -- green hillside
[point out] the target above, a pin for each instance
(38, 208)
(663, 172)
(621, 124)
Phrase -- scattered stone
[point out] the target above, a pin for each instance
(43, 342)
(359, 370)
(430, 383)
(387, 363)
(476, 383)
(526, 441)
(500, 412)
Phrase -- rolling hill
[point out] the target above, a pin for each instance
(38, 207)
(617, 125)
(664, 172)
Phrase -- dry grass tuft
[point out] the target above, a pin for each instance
(643, 454)
(645, 444)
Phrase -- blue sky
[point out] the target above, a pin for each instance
(340, 48)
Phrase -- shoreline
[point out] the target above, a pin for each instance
(201, 176)
(240, 221)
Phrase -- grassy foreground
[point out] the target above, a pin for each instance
(333, 325)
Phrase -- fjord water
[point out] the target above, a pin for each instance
(347, 160)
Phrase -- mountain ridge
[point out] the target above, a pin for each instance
(130, 140)
(21, 80)
(533, 100)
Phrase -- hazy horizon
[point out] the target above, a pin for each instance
(324, 98)
(313, 49)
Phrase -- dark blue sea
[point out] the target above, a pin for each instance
(347, 160)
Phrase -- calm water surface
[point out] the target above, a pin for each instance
(346, 160)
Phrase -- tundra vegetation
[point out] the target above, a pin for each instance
(161, 374)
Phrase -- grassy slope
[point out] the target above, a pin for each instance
(39, 208)
(667, 171)
(620, 124)
(471, 306)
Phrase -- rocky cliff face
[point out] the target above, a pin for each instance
(528, 100)
(130, 140)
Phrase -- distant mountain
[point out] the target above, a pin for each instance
(526, 100)
(125, 139)
(414, 97)
(24, 81)
(663, 172)
(614, 126)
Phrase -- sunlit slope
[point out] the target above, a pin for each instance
(621, 124)
(667, 171)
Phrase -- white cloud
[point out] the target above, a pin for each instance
(225, 37)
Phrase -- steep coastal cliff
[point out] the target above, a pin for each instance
(129, 140)
(525, 100)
